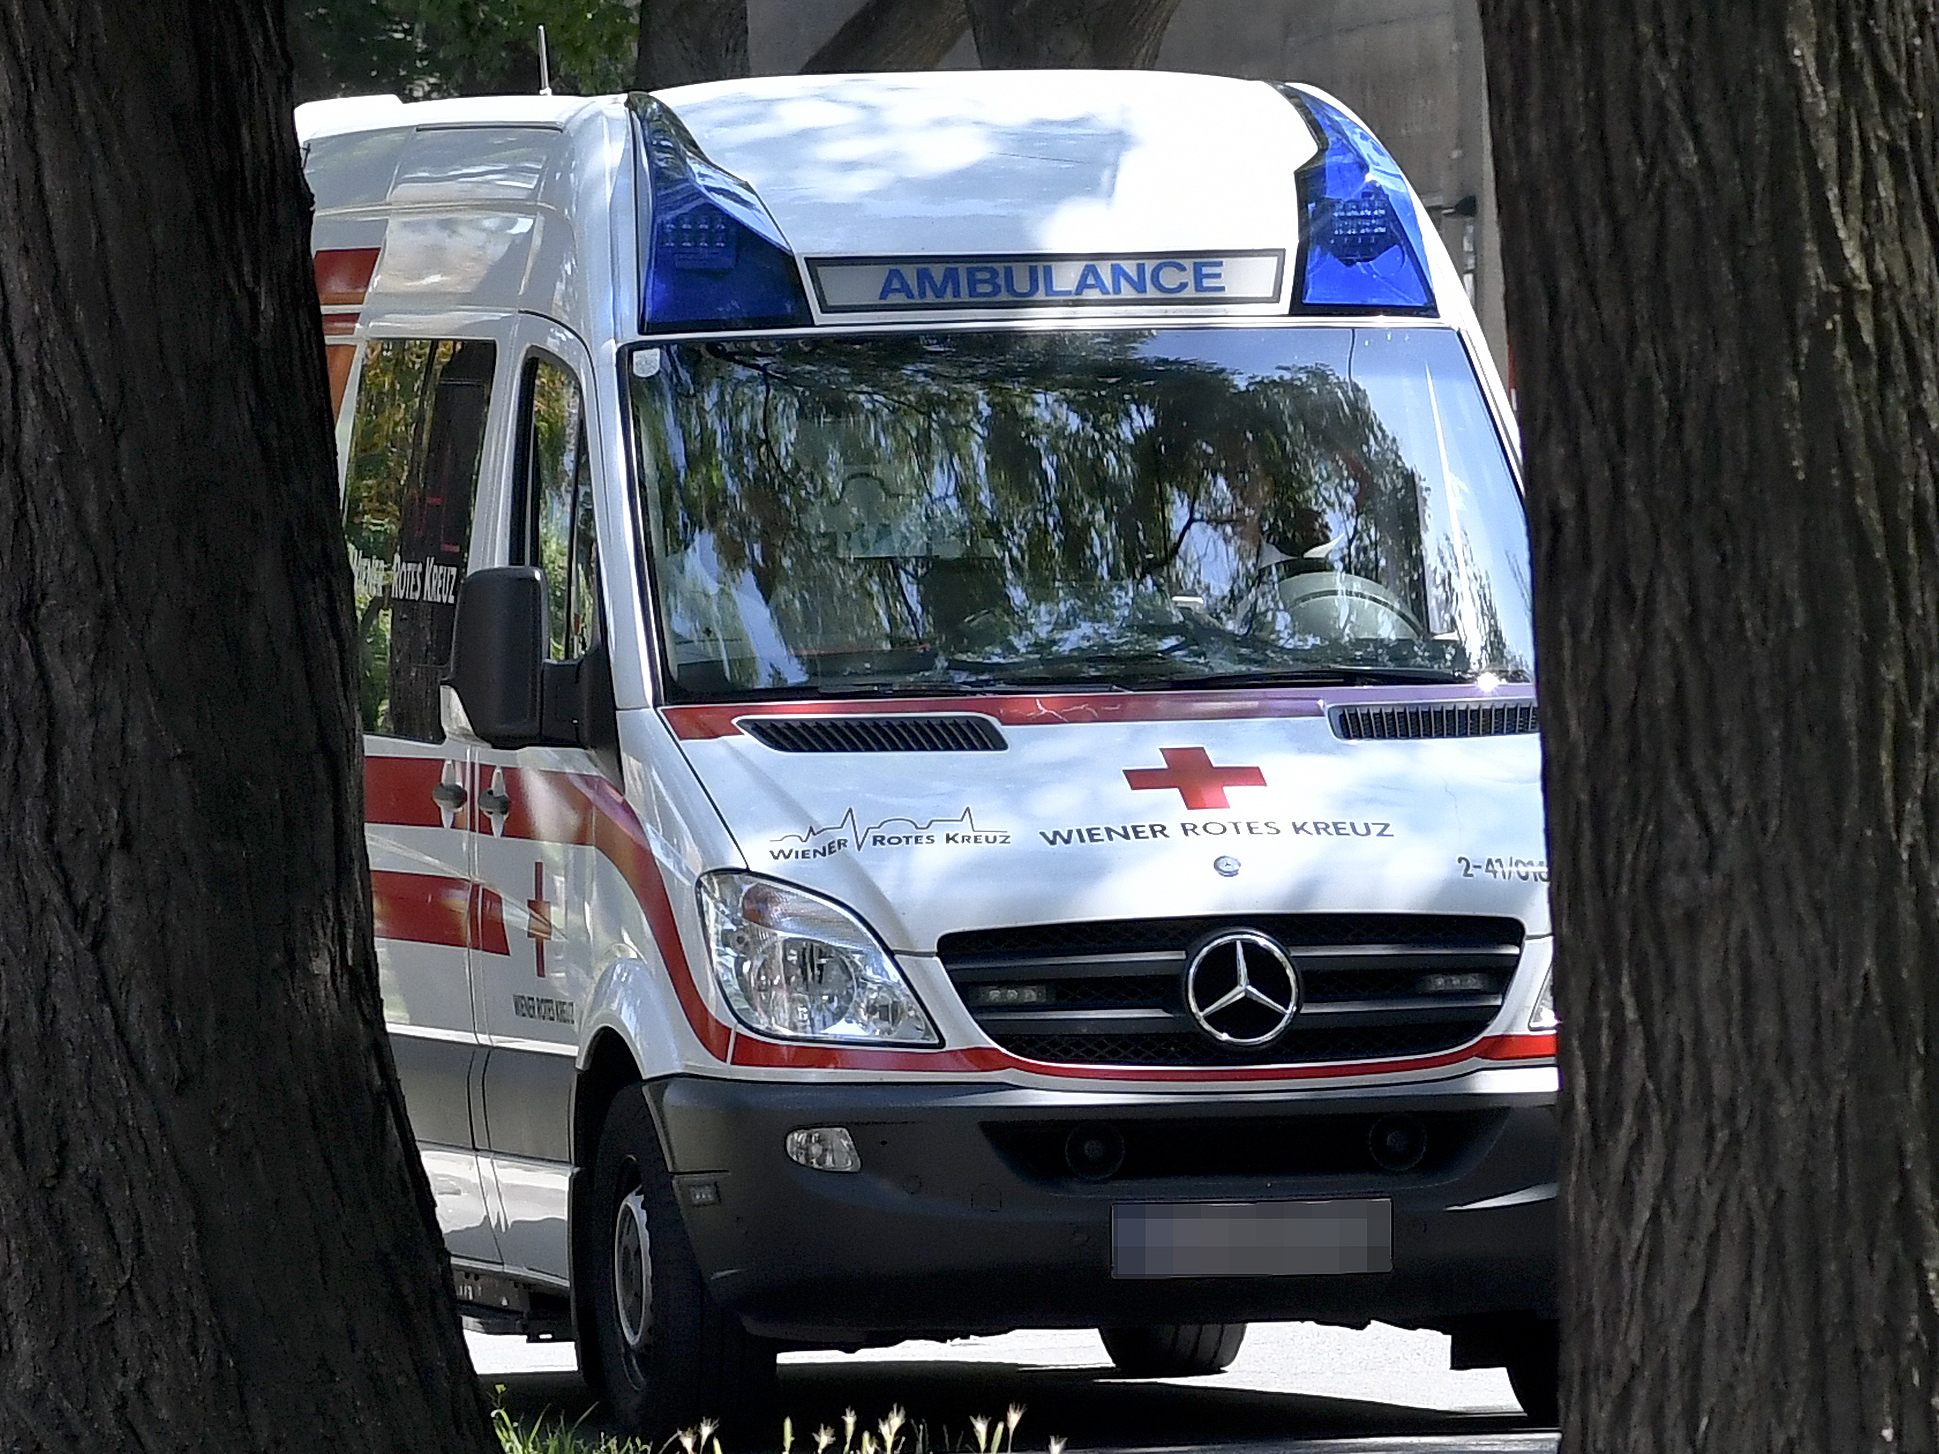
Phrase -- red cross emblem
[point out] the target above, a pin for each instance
(1189, 770)
(538, 917)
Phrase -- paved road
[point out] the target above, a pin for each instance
(1294, 1387)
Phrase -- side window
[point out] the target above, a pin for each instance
(556, 486)
(408, 489)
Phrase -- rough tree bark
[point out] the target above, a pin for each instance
(216, 1232)
(682, 41)
(892, 35)
(1110, 34)
(1723, 291)
(309, 66)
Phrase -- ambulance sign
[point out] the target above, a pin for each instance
(988, 282)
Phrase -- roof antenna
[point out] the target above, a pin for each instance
(545, 66)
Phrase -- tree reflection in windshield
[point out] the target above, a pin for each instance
(1158, 505)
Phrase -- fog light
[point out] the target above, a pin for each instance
(824, 1148)
(1094, 1152)
(1397, 1143)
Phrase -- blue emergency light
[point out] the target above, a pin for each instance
(1361, 247)
(713, 256)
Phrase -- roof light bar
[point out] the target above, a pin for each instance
(713, 257)
(1361, 248)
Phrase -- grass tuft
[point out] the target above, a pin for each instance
(893, 1434)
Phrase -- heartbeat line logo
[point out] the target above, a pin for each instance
(847, 833)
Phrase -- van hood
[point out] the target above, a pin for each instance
(1146, 805)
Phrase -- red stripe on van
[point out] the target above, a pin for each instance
(565, 808)
(586, 809)
(397, 791)
(1492, 1047)
(1518, 1047)
(748, 1051)
(343, 275)
(430, 908)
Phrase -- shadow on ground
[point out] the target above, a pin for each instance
(1095, 1408)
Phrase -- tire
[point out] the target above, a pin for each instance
(1535, 1373)
(664, 1354)
(1173, 1350)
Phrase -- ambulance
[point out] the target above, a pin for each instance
(951, 739)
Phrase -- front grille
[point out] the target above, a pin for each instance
(1113, 993)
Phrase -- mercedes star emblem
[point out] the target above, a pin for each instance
(1242, 988)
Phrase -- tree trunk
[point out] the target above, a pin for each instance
(1111, 34)
(682, 41)
(309, 67)
(892, 35)
(1723, 237)
(217, 1233)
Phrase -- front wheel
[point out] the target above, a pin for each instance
(1535, 1373)
(665, 1355)
(1173, 1350)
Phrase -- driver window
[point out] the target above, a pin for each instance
(556, 490)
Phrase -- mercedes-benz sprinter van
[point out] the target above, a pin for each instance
(951, 729)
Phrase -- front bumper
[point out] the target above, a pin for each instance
(965, 1217)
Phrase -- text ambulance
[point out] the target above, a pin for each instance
(951, 744)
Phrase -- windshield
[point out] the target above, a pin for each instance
(1140, 508)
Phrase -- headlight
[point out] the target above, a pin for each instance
(1541, 1019)
(797, 967)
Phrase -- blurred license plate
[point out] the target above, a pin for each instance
(1251, 1239)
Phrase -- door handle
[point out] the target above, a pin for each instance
(496, 803)
(449, 796)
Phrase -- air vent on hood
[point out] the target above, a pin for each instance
(950, 732)
(1435, 719)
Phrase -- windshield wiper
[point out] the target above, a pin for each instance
(954, 686)
(889, 687)
(1332, 674)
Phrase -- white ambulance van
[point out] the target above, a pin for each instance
(951, 739)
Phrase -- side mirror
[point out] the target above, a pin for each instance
(497, 652)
